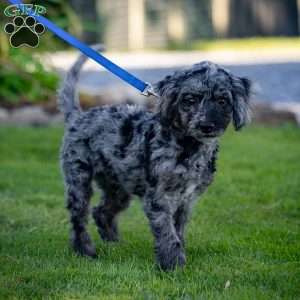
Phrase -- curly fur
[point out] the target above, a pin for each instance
(167, 158)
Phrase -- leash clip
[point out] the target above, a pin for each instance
(149, 91)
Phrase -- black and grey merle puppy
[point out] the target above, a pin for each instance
(167, 158)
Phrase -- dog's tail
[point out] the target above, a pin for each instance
(68, 102)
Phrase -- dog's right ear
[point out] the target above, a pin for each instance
(168, 91)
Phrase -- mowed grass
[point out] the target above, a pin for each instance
(243, 240)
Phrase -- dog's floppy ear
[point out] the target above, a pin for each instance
(168, 90)
(241, 98)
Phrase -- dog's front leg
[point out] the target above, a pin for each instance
(168, 246)
(180, 220)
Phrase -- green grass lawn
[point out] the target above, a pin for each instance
(245, 232)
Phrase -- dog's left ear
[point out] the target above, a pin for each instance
(241, 98)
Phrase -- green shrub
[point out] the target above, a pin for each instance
(23, 79)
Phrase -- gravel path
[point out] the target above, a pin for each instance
(276, 73)
(274, 82)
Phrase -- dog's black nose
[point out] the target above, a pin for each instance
(207, 127)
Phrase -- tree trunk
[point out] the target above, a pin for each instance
(263, 17)
(87, 11)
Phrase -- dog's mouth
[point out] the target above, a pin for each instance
(211, 134)
(202, 136)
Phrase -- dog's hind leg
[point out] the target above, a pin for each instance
(78, 193)
(114, 200)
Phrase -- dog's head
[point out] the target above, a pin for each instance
(201, 101)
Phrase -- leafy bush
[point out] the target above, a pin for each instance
(23, 79)
(62, 14)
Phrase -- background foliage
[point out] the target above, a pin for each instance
(23, 78)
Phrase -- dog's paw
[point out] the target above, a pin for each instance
(107, 228)
(171, 257)
(108, 235)
(83, 245)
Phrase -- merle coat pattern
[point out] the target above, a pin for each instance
(167, 158)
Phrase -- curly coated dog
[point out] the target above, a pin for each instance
(168, 158)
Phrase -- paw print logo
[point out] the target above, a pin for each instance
(24, 32)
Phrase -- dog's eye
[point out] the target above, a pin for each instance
(189, 100)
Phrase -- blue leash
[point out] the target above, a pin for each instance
(145, 88)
